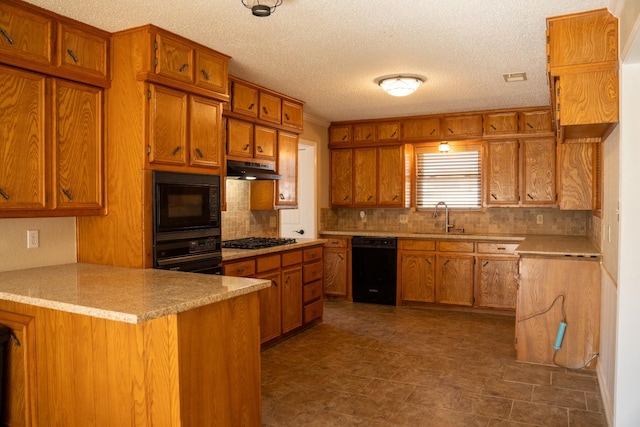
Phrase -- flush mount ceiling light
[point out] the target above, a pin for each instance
(444, 147)
(400, 85)
(515, 77)
(261, 8)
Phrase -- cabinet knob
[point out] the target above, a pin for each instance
(395, 197)
(265, 110)
(281, 196)
(493, 127)
(345, 198)
(395, 132)
(493, 196)
(6, 35)
(73, 56)
(344, 137)
(450, 130)
(3, 194)
(432, 132)
(369, 198)
(529, 125)
(530, 196)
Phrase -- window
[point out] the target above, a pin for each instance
(453, 177)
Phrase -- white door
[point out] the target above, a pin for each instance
(301, 222)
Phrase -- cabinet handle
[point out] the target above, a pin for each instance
(205, 75)
(530, 196)
(529, 125)
(240, 270)
(369, 198)
(446, 262)
(288, 280)
(345, 198)
(395, 132)
(341, 257)
(184, 67)
(265, 110)
(3, 194)
(494, 196)
(493, 127)
(73, 56)
(432, 132)
(199, 153)
(281, 196)
(368, 136)
(260, 150)
(502, 249)
(314, 292)
(450, 130)
(245, 148)
(286, 116)
(6, 35)
(395, 197)
(484, 264)
(251, 106)
(344, 137)
(176, 150)
(428, 261)
(67, 193)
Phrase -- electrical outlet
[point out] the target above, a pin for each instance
(539, 219)
(33, 239)
(403, 219)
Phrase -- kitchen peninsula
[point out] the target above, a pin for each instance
(98, 345)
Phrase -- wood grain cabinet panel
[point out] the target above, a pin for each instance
(22, 141)
(77, 140)
(167, 126)
(455, 279)
(497, 282)
(211, 71)
(388, 131)
(240, 136)
(270, 307)
(174, 58)
(287, 166)
(24, 34)
(575, 177)
(82, 51)
(462, 126)
(291, 299)
(341, 177)
(417, 276)
(270, 107)
(292, 114)
(502, 172)
(503, 123)
(535, 122)
(390, 176)
(244, 99)
(336, 270)
(340, 134)
(265, 141)
(364, 132)
(420, 129)
(539, 171)
(205, 121)
(364, 176)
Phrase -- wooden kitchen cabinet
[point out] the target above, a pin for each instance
(417, 270)
(265, 141)
(364, 132)
(337, 267)
(28, 33)
(502, 172)
(340, 134)
(167, 126)
(535, 122)
(77, 146)
(341, 177)
(291, 299)
(19, 406)
(538, 171)
(388, 131)
(287, 167)
(270, 307)
(22, 174)
(501, 123)
(211, 71)
(462, 126)
(422, 129)
(205, 122)
(83, 52)
(292, 114)
(244, 99)
(454, 272)
(174, 57)
(312, 278)
(497, 275)
(270, 107)
(391, 176)
(575, 177)
(240, 141)
(364, 176)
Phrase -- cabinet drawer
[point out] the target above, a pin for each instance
(313, 254)
(455, 246)
(82, 51)
(25, 34)
(313, 311)
(292, 257)
(497, 248)
(311, 272)
(337, 243)
(417, 245)
(240, 268)
(312, 291)
(266, 263)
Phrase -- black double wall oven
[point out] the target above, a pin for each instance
(186, 222)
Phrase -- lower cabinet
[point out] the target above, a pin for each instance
(417, 270)
(337, 267)
(454, 273)
(497, 275)
(294, 298)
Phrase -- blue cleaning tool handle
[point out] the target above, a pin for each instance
(561, 328)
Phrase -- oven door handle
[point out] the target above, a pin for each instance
(187, 258)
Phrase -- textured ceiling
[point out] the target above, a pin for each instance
(329, 53)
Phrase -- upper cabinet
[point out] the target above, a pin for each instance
(501, 123)
(264, 106)
(173, 58)
(462, 126)
(37, 40)
(421, 129)
(582, 61)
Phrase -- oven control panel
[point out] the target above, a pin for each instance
(202, 245)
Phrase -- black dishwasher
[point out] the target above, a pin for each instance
(373, 269)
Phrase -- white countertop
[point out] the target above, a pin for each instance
(127, 295)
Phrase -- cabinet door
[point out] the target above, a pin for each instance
(539, 171)
(497, 282)
(270, 308)
(575, 176)
(19, 367)
(535, 121)
(455, 280)
(167, 126)
(336, 271)
(420, 129)
(501, 123)
(244, 100)
(417, 276)
(25, 34)
(287, 166)
(340, 134)
(587, 98)
(205, 118)
(22, 140)
(211, 71)
(502, 173)
(456, 126)
(239, 138)
(77, 141)
(265, 142)
(174, 58)
(270, 108)
(292, 114)
(82, 51)
(390, 176)
(291, 299)
(341, 173)
(364, 176)
(364, 132)
(388, 131)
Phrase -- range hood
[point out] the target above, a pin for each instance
(250, 170)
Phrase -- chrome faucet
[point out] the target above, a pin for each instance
(447, 226)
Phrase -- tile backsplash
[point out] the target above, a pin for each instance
(239, 221)
(491, 221)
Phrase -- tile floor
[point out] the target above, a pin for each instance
(372, 365)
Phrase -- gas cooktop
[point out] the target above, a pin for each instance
(256, 242)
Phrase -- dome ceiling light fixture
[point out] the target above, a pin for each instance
(261, 8)
(401, 85)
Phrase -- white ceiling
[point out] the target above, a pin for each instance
(329, 53)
